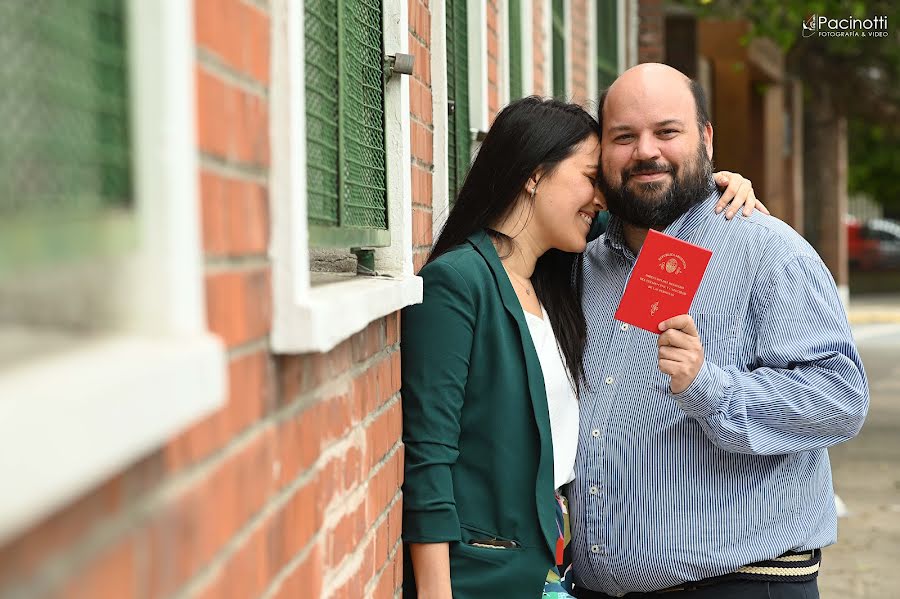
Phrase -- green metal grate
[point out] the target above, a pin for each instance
(515, 49)
(64, 107)
(346, 158)
(607, 43)
(559, 49)
(459, 137)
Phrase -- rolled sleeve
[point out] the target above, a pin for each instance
(437, 341)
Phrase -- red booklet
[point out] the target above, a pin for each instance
(663, 282)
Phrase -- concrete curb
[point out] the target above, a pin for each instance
(875, 316)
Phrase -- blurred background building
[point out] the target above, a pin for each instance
(213, 212)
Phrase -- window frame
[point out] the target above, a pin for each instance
(610, 68)
(311, 317)
(343, 235)
(127, 394)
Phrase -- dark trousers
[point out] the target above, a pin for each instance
(735, 589)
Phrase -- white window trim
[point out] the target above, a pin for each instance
(548, 47)
(70, 421)
(622, 28)
(503, 79)
(592, 83)
(440, 185)
(528, 87)
(315, 318)
(476, 26)
(568, 40)
(631, 28)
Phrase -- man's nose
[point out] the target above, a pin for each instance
(646, 148)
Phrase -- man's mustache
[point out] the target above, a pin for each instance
(647, 168)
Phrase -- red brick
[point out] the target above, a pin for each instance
(346, 536)
(187, 532)
(305, 580)
(420, 257)
(113, 574)
(238, 305)
(232, 123)
(392, 328)
(422, 227)
(237, 32)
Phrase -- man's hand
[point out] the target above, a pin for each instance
(680, 351)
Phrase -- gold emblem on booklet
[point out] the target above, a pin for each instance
(673, 264)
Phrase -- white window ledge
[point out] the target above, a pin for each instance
(336, 310)
(70, 421)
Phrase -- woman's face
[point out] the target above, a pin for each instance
(568, 199)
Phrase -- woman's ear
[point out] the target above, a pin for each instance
(533, 181)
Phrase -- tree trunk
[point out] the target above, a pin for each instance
(825, 178)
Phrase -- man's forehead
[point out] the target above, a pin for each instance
(647, 106)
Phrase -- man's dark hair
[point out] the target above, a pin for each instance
(699, 101)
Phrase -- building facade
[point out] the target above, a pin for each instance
(226, 203)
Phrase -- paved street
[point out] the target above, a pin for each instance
(866, 561)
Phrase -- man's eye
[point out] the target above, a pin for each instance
(624, 138)
(593, 180)
(668, 132)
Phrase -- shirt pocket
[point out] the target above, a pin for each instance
(719, 334)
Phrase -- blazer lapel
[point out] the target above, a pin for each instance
(546, 510)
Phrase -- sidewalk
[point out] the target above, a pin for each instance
(874, 309)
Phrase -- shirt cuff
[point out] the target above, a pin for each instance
(434, 526)
(704, 395)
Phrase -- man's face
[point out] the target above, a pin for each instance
(656, 163)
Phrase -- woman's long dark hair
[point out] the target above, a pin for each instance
(530, 134)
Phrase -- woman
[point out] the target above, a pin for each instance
(492, 359)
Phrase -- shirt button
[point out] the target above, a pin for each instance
(624, 327)
(610, 380)
(595, 432)
(594, 490)
(595, 548)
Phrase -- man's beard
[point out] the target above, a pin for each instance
(653, 206)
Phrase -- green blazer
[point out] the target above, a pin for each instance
(479, 456)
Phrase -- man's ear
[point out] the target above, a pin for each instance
(708, 140)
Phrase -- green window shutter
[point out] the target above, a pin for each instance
(559, 49)
(346, 157)
(458, 135)
(607, 43)
(516, 89)
(65, 176)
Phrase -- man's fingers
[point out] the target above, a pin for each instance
(684, 323)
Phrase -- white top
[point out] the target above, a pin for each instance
(561, 399)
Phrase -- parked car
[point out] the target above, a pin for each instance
(862, 251)
(887, 235)
(874, 244)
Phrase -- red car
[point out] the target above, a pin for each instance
(862, 248)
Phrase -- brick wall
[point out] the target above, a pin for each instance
(422, 127)
(298, 475)
(578, 41)
(651, 31)
(292, 488)
(493, 58)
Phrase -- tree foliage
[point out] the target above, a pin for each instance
(860, 75)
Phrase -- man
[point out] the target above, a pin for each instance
(702, 465)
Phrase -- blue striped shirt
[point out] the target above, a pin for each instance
(734, 470)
